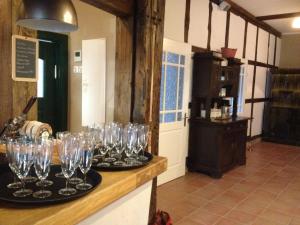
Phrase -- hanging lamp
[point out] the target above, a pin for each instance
(48, 15)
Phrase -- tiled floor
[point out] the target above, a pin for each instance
(264, 192)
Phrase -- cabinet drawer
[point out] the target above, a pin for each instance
(235, 126)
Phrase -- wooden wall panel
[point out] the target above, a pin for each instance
(198, 32)
(236, 34)
(258, 111)
(249, 82)
(22, 91)
(5, 62)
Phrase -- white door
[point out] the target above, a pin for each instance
(174, 99)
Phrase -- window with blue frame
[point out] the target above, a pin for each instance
(171, 89)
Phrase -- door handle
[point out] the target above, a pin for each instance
(185, 119)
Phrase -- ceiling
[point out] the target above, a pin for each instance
(273, 7)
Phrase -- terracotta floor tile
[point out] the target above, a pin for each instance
(267, 187)
(204, 217)
(240, 216)
(216, 208)
(263, 221)
(276, 217)
(230, 198)
(187, 221)
(295, 221)
(225, 221)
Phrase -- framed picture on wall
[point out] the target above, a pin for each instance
(25, 53)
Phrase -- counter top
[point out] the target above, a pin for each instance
(219, 121)
(114, 186)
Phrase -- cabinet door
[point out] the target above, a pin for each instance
(228, 151)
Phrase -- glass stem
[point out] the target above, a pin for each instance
(67, 183)
(23, 185)
(42, 183)
(85, 178)
(15, 178)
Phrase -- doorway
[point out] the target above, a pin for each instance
(174, 99)
(53, 80)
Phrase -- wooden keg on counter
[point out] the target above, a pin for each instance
(34, 129)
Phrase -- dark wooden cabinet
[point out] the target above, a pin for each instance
(215, 146)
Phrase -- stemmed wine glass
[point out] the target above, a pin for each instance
(75, 179)
(42, 160)
(59, 137)
(86, 152)
(130, 135)
(142, 141)
(22, 153)
(10, 143)
(108, 142)
(120, 144)
(68, 162)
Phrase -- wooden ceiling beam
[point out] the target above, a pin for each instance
(278, 16)
(238, 10)
(121, 8)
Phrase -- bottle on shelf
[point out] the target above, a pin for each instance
(202, 111)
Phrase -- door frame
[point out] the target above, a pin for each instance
(62, 60)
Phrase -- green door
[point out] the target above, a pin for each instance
(53, 105)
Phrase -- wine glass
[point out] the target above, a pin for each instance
(10, 144)
(86, 152)
(120, 144)
(59, 137)
(142, 141)
(22, 153)
(42, 160)
(75, 179)
(98, 135)
(68, 162)
(130, 136)
(108, 142)
(30, 178)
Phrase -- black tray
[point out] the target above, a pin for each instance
(6, 195)
(121, 168)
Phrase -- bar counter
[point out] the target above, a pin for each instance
(115, 186)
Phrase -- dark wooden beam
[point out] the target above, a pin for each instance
(209, 25)
(278, 16)
(285, 71)
(149, 31)
(6, 97)
(123, 74)
(245, 39)
(187, 20)
(122, 8)
(239, 11)
(255, 63)
(227, 29)
(198, 49)
(256, 100)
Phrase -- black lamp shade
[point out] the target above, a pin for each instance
(48, 15)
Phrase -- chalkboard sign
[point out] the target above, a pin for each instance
(24, 58)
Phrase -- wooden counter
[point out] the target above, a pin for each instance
(114, 186)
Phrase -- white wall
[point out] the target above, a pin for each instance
(198, 36)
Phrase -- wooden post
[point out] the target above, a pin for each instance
(5, 62)
(149, 27)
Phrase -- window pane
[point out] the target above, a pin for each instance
(173, 58)
(180, 94)
(182, 59)
(171, 88)
(161, 117)
(164, 56)
(169, 117)
(162, 84)
(179, 116)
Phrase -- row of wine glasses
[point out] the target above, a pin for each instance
(113, 139)
(74, 151)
